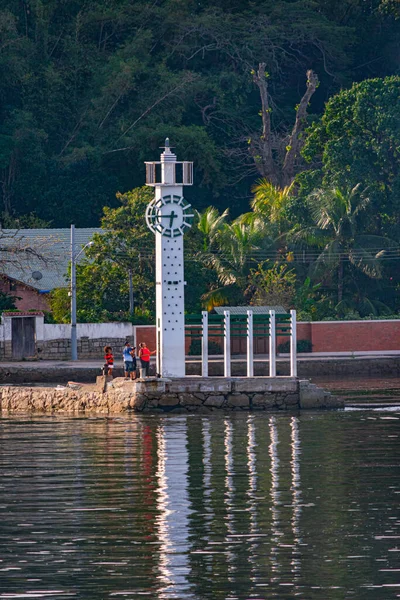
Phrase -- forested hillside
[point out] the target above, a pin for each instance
(90, 88)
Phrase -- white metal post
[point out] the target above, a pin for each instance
(74, 344)
(250, 349)
(272, 344)
(227, 343)
(204, 344)
(293, 344)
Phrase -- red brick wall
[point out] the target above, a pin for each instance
(353, 336)
(327, 336)
(30, 298)
(146, 333)
(304, 331)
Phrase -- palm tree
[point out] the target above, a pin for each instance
(237, 243)
(270, 201)
(210, 223)
(337, 231)
(269, 211)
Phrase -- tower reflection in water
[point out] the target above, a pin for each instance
(228, 504)
(173, 508)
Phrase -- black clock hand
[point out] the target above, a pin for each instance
(171, 218)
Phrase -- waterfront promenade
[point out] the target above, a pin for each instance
(339, 364)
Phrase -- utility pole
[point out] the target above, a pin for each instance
(131, 301)
(74, 344)
(74, 257)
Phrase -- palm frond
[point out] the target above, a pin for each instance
(218, 297)
(270, 201)
(366, 262)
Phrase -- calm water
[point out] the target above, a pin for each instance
(191, 507)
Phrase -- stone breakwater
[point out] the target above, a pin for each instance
(170, 395)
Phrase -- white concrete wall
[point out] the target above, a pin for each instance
(90, 330)
(55, 332)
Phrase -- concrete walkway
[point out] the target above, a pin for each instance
(342, 365)
(93, 364)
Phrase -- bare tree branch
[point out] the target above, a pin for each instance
(262, 152)
(295, 141)
(19, 251)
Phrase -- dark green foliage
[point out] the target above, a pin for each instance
(302, 346)
(195, 348)
(90, 89)
(126, 244)
(358, 140)
(7, 302)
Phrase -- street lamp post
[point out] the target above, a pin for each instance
(74, 257)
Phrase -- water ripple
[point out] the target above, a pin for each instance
(239, 506)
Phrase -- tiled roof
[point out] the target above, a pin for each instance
(54, 248)
(242, 310)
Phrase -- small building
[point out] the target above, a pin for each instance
(33, 262)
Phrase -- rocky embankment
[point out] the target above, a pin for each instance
(163, 395)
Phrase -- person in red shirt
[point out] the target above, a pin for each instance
(109, 358)
(144, 355)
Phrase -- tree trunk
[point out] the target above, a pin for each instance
(262, 148)
(296, 141)
(262, 152)
(340, 280)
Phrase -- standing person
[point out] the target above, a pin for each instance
(128, 355)
(109, 358)
(144, 355)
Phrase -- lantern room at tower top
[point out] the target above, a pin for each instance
(169, 171)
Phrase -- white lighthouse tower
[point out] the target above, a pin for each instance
(168, 215)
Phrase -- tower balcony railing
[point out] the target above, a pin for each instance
(182, 173)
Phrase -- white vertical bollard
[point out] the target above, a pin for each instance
(293, 344)
(227, 343)
(250, 347)
(204, 344)
(272, 344)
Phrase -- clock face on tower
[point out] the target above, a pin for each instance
(170, 216)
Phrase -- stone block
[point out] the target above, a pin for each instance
(311, 396)
(292, 399)
(199, 409)
(216, 384)
(183, 385)
(186, 399)
(168, 400)
(149, 386)
(120, 382)
(238, 401)
(138, 402)
(267, 400)
(215, 401)
(264, 384)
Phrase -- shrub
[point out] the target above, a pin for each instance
(195, 348)
(7, 302)
(302, 346)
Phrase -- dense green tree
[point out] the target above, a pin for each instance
(89, 90)
(269, 206)
(127, 245)
(238, 244)
(338, 232)
(358, 139)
